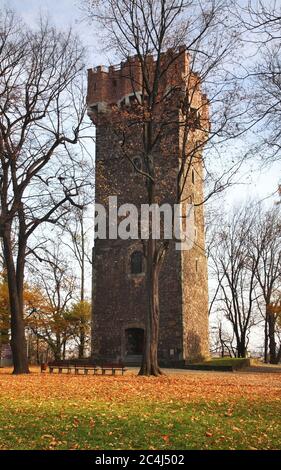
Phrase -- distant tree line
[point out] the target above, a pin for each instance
(245, 268)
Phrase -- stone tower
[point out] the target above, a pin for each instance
(119, 296)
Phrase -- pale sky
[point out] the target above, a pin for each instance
(64, 13)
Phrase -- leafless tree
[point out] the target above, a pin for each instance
(75, 237)
(265, 247)
(41, 118)
(262, 23)
(143, 28)
(221, 340)
(237, 295)
(263, 18)
(51, 321)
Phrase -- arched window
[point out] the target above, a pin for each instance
(136, 262)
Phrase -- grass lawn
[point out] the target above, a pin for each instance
(226, 361)
(179, 411)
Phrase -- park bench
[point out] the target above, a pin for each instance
(113, 368)
(86, 369)
(70, 367)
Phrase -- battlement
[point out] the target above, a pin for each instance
(121, 84)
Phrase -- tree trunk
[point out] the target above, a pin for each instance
(15, 287)
(271, 335)
(221, 341)
(57, 354)
(241, 347)
(58, 348)
(278, 357)
(266, 338)
(37, 351)
(64, 350)
(150, 356)
(82, 339)
(81, 347)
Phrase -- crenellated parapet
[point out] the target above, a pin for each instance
(122, 85)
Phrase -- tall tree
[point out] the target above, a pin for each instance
(41, 117)
(265, 247)
(75, 229)
(50, 320)
(80, 318)
(4, 310)
(145, 28)
(237, 294)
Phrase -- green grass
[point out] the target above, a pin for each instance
(227, 361)
(59, 424)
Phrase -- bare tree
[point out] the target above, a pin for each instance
(222, 341)
(52, 321)
(265, 247)
(41, 117)
(237, 295)
(75, 230)
(263, 18)
(145, 28)
(262, 23)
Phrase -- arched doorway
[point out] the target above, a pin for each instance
(134, 340)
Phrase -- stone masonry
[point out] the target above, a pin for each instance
(119, 295)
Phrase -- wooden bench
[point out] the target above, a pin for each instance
(105, 369)
(113, 368)
(61, 367)
(71, 367)
(86, 369)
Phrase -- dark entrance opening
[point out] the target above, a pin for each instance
(134, 341)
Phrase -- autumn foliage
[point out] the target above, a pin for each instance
(176, 411)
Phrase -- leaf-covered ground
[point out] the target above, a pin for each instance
(178, 411)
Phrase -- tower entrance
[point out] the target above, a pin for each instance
(134, 341)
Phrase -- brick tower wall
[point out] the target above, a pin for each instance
(194, 272)
(119, 297)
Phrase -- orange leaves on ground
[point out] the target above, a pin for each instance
(184, 387)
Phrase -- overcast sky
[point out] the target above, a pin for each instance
(256, 184)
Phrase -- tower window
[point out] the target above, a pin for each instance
(136, 262)
(192, 176)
